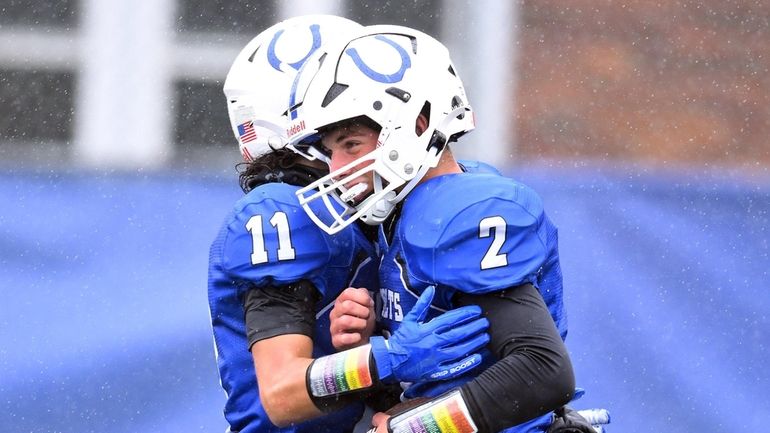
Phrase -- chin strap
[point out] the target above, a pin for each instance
(383, 207)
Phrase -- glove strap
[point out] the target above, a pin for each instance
(340, 373)
(445, 414)
(381, 355)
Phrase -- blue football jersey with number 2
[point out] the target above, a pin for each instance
(474, 233)
(268, 239)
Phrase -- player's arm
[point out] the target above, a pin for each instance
(532, 376)
(279, 322)
(444, 347)
(534, 372)
(280, 363)
(294, 387)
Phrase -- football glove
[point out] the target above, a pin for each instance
(442, 348)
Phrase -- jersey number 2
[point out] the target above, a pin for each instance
(493, 258)
(281, 223)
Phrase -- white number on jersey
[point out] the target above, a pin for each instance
(493, 258)
(258, 252)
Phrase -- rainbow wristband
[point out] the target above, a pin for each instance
(340, 373)
(445, 414)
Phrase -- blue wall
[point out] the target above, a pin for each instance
(104, 324)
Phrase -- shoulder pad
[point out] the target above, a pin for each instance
(270, 239)
(476, 233)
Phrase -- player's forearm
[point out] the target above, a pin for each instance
(295, 388)
(534, 372)
(280, 324)
(284, 395)
(502, 397)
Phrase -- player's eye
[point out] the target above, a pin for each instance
(350, 144)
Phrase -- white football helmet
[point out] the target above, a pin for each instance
(389, 74)
(261, 77)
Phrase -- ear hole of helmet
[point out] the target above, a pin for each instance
(425, 114)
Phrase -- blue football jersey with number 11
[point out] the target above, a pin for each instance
(268, 239)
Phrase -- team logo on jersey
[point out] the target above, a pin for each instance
(397, 296)
(391, 305)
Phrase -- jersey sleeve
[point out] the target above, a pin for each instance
(488, 234)
(270, 240)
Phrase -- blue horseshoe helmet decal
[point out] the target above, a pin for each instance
(395, 77)
(315, 30)
(406, 63)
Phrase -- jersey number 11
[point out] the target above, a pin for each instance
(280, 223)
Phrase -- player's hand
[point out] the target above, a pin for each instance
(379, 423)
(380, 419)
(443, 348)
(352, 319)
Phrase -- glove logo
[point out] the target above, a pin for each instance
(454, 370)
(465, 365)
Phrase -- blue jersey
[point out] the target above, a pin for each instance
(474, 233)
(268, 239)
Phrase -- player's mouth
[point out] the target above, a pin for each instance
(355, 193)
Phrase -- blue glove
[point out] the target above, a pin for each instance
(442, 348)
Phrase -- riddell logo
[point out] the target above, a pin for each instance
(296, 128)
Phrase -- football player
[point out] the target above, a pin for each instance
(382, 108)
(273, 274)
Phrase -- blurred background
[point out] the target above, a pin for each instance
(645, 126)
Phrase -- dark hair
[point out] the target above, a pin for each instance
(353, 121)
(281, 165)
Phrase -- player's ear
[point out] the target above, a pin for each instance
(421, 124)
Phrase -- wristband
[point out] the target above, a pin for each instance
(445, 414)
(340, 373)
